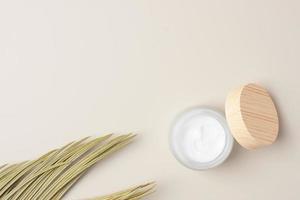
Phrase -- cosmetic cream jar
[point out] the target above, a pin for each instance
(200, 138)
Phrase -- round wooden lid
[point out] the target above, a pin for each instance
(252, 116)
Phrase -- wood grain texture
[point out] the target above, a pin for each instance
(252, 116)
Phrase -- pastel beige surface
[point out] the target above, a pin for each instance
(69, 69)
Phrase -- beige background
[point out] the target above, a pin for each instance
(69, 69)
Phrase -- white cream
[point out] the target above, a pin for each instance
(204, 139)
(200, 138)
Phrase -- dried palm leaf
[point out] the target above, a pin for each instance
(134, 193)
(53, 174)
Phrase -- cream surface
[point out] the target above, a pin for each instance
(203, 138)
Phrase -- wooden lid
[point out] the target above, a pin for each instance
(252, 116)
